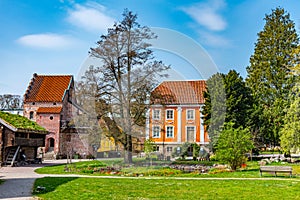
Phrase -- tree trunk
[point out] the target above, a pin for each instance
(128, 150)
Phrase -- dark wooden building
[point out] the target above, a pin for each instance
(18, 136)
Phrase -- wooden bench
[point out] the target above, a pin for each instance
(275, 169)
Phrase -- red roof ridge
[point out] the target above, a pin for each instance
(47, 88)
(179, 92)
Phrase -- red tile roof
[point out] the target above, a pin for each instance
(50, 110)
(179, 92)
(44, 88)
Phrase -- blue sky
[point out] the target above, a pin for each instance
(54, 36)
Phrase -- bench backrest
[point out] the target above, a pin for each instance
(275, 168)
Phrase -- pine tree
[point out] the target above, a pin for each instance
(227, 99)
(269, 73)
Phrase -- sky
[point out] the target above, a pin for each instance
(53, 37)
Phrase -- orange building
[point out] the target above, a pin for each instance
(175, 115)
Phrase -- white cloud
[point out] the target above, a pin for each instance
(206, 14)
(46, 40)
(90, 17)
(214, 40)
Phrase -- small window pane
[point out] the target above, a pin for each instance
(156, 132)
(156, 114)
(190, 114)
(170, 114)
(170, 131)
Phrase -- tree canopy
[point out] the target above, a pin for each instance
(127, 74)
(269, 73)
(231, 102)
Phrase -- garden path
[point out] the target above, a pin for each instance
(19, 180)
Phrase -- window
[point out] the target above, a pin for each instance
(190, 114)
(31, 115)
(51, 117)
(170, 131)
(156, 114)
(156, 131)
(170, 114)
(169, 149)
(190, 133)
(155, 148)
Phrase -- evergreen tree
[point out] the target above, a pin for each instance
(230, 102)
(214, 109)
(238, 100)
(269, 73)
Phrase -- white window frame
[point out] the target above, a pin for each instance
(168, 110)
(159, 129)
(154, 115)
(168, 136)
(186, 133)
(187, 114)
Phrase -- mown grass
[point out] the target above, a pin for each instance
(111, 167)
(141, 188)
(168, 186)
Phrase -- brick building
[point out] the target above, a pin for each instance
(48, 102)
(175, 115)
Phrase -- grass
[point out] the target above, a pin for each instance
(20, 122)
(106, 167)
(159, 182)
(102, 188)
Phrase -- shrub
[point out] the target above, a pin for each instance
(233, 144)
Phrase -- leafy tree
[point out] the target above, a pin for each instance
(269, 73)
(128, 73)
(290, 137)
(234, 107)
(233, 144)
(149, 145)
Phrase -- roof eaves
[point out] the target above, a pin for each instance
(8, 125)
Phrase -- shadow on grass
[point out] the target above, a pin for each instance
(49, 184)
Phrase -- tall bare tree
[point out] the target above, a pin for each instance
(128, 72)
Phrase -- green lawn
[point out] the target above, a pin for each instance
(97, 168)
(163, 183)
(141, 188)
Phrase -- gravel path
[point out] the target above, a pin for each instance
(19, 180)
